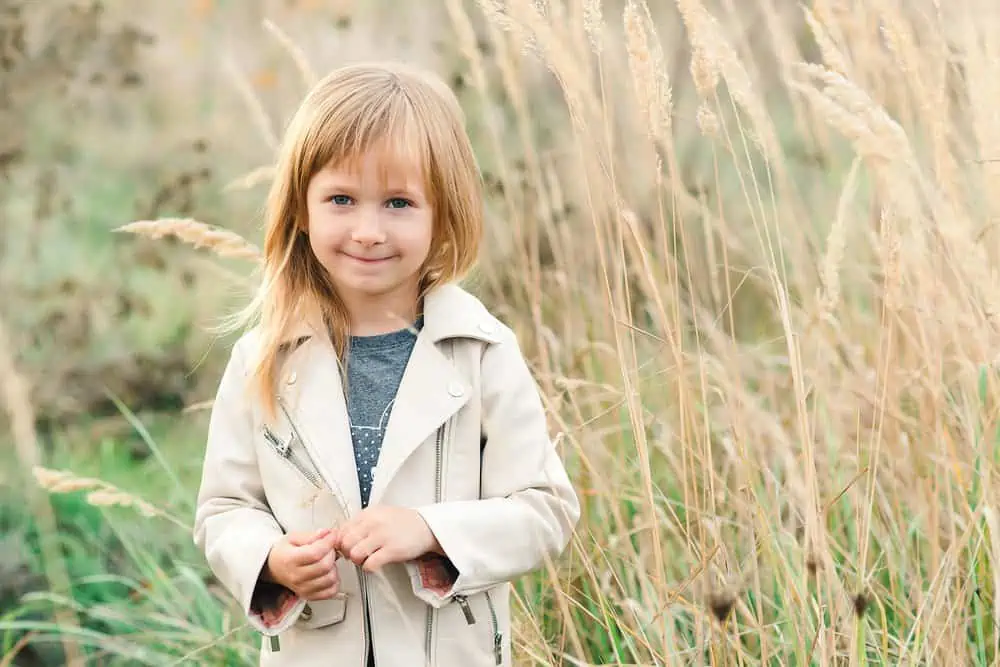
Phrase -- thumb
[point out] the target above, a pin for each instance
(302, 539)
(331, 540)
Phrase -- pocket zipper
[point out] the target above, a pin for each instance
(470, 618)
(497, 636)
(291, 455)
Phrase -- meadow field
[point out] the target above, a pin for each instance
(749, 246)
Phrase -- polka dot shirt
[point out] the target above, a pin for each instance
(375, 366)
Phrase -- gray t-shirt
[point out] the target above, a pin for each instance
(375, 366)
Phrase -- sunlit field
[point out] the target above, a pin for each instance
(749, 249)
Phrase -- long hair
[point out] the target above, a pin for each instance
(407, 116)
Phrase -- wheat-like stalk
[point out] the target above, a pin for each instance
(99, 493)
(593, 24)
(296, 54)
(835, 244)
(852, 112)
(713, 56)
(199, 234)
(649, 74)
(831, 54)
(252, 178)
(15, 393)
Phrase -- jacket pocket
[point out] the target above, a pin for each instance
(491, 621)
(293, 452)
(321, 613)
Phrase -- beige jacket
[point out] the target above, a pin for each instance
(466, 384)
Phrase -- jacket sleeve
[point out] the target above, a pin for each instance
(528, 508)
(233, 523)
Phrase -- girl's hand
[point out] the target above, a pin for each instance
(381, 535)
(306, 563)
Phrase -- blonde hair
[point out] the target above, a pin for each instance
(408, 115)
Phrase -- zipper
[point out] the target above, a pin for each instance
(306, 467)
(463, 602)
(497, 636)
(291, 455)
(366, 619)
(438, 465)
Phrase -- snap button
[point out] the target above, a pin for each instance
(307, 613)
(455, 389)
(292, 377)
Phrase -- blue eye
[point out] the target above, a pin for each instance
(341, 200)
(397, 202)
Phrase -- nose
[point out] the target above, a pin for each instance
(368, 230)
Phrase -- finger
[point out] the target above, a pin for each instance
(306, 573)
(350, 537)
(312, 553)
(330, 540)
(302, 539)
(314, 586)
(325, 594)
(379, 559)
(363, 549)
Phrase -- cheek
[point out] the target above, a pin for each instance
(322, 231)
(419, 236)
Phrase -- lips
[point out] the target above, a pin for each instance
(367, 260)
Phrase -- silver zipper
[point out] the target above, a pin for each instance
(438, 464)
(309, 472)
(497, 636)
(286, 451)
(463, 602)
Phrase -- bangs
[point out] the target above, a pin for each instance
(388, 127)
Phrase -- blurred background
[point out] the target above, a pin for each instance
(749, 249)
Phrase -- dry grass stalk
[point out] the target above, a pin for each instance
(251, 179)
(99, 493)
(842, 104)
(831, 55)
(593, 24)
(713, 55)
(297, 55)
(199, 406)
(707, 120)
(199, 234)
(649, 74)
(835, 244)
(15, 396)
(253, 103)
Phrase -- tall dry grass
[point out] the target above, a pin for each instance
(756, 281)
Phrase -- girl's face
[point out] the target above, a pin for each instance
(372, 237)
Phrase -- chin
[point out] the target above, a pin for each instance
(366, 287)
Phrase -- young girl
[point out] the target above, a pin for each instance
(378, 466)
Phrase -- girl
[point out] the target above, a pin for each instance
(378, 467)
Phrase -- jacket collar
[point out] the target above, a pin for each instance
(449, 312)
(432, 389)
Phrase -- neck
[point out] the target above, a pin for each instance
(373, 316)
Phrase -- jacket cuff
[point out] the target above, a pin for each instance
(273, 608)
(243, 555)
(465, 576)
(433, 578)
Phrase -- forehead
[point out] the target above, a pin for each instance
(389, 164)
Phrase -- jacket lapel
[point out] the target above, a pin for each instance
(431, 391)
(314, 393)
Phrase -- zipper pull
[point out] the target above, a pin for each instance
(275, 644)
(276, 441)
(498, 647)
(463, 602)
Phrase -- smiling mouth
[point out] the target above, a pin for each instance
(367, 260)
